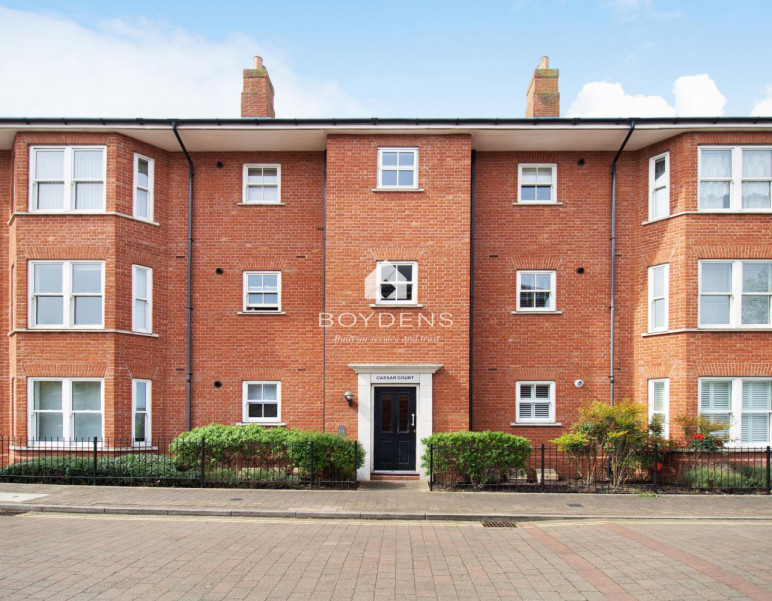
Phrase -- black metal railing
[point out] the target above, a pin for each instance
(196, 463)
(547, 468)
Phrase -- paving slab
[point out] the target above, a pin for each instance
(379, 502)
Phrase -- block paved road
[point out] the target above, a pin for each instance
(64, 556)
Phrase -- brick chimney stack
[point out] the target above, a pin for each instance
(543, 95)
(257, 96)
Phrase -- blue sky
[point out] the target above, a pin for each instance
(394, 58)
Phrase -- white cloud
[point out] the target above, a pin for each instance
(763, 107)
(54, 66)
(698, 96)
(695, 96)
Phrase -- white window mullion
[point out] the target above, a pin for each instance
(735, 423)
(736, 186)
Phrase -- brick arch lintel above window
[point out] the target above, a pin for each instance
(143, 370)
(95, 369)
(657, 371)
(547, 374)
(262, 264)
(521, 263)
(396, 253)
(736, 251)
(660, 257)
(70, 252)
(732, 370)
(267, 374)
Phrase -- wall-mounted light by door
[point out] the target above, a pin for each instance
(349, 396)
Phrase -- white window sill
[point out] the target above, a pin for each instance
(535, 424)
(267, 424)
(261, 313)
(261, 204)
(521, 312)
(396, 306)
(86, 445)
(691, 330)
(537, 204)
(72, 213)
(397, 190)
(80, 331)
(711, 212)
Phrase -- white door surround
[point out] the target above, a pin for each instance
(370, 375)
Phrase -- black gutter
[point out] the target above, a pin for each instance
(612, 350)
(471, 290)
(189, 345)
(258, 122)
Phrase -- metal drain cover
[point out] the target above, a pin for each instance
(575, 505)
(499, 525)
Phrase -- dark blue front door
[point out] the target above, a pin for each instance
(394, 425)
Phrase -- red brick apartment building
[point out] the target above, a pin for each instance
(382, 278)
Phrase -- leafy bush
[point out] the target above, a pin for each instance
(702, 433)
(110, 470)
(726, 476)
(270, 451)
(475, 457)
(619, 431)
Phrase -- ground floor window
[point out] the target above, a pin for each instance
(535, 402)
(743, 404)
(140, 406)
(65, 409)
(261, 402)
(659, 402)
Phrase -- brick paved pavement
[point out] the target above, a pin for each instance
(57, 556)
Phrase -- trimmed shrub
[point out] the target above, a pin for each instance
(255, 449)
(725, 476)
(477, 458)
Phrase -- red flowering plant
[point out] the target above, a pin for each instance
(702, 433)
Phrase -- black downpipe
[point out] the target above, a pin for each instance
(189, 341)
(324, 294)
(612, 350)
(471, 290)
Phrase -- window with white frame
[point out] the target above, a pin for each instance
(66, 294)
(735, 294)
(64, 409)
(141, 397)
(659, 186)
(262, 184)
(261, 402)
(67, 179)
(658, 297)
(262, 291)
(659, 402)
(536, 291)
(535, 402)
(743, 404)
(536, 183)
(144, 168)
(142, 298)
(398, 168)
(397, 282)
(735, 178)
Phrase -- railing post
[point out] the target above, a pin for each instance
(768, 472)
(94, 475)
(356, 460)
(203, 461)
(431, 467)
(656, 465)
(312, 464)
(543, 485)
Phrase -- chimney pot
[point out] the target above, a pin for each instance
(258, 63)
(544, 62)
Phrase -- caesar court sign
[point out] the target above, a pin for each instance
(394, 378)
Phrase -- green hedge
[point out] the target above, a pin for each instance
(726, 476)
(123, 469)
(255, 447)
(477, 458)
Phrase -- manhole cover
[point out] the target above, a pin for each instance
(237, 499)
(499, 525)
(575, 505)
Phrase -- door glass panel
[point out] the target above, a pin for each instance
(386, 413)
(404, 412)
